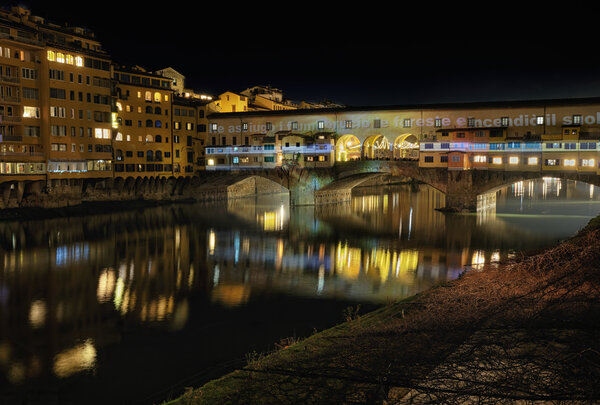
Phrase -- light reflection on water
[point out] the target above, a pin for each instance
(70, 287)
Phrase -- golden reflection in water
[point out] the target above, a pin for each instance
(231, 295)
(78, 358)
(106, 285)
(272, 220)
(379, 263)
(37, 314)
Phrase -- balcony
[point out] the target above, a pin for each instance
(10, 118)
(10, 99)
(11, 138)
(10, 79)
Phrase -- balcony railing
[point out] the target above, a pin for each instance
(10, 118)
(10, 79)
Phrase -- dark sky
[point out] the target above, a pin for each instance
(354, 54)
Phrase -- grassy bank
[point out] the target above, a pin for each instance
(525, 330)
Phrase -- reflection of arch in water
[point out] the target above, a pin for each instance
(347, 148)
(377, 147)
(406, 146)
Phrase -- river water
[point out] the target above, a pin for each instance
(131, 307)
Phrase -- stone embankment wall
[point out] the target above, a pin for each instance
(64, 193)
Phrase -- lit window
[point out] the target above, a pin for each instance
(577, 119)
(497, 160)
(320, 125)
(513, 160)
(438, 122)
(69, 59)
(504, 121)
(406, 123)
(157, 97)
(532, 161)
(148, 96)
(60, 57)
(213, 127)
(166, 97)
(31, 112)
(551, 162)
(51, 56)
(348, 124)
(119, 137)
(98, 133)
(539, 120)
(211, 162)
(569, 162)
(78, 61)
(587, 162)
(480, 159)
(148, 138)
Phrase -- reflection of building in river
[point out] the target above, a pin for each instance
(68, 281)
(407, 211)
(244, 263)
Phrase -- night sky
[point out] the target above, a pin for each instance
(353, 55)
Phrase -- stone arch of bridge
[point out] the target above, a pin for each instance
(496, 181)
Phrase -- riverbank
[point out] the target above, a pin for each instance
(82, 209)
(523, 330)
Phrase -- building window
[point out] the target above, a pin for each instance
(539, 120)
(577, 119)
(428, 159)
(532, 161)
(497, 160)
(244, 126)
(480, 159)
(377, 123)
(213, 127)
(513, 160)
(569, 162)
(587, 162)
(320, 124)
(348, 124)
(295, 125)
(470, 122)
(504, 121)
(269, 126)
(407, 123)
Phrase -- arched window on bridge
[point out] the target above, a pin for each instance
(406, 146)
(377, 147)
(347, 148)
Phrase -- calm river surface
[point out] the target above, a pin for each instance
(131, 307)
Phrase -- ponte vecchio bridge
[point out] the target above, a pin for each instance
(462, 150)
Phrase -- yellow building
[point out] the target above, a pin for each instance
(55, 101)
(230, 102)
(189, 134)
(143, 142)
